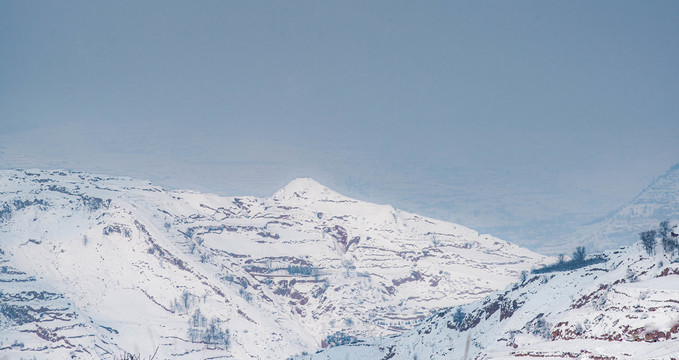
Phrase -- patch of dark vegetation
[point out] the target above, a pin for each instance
(207, 332)
(239, 280)
(302, 270)
(60, 189)
(22, 314)
(578, 261)
(7, 209)
(338, 339)
(30, 296)
(5, 213)
(117, 229)
(663, 234)
(19, 205)
(42, 181)
(539, 327)
(391, 353)
(15, 280)
(94, 203)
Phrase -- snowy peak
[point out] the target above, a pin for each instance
(307, 190)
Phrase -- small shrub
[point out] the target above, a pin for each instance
(301, 270)
(631, 275)
(562, 258)
(197, 319)
(524, 276)
(648, 241)
(669, 244)
(541, 328)
(459, 317)
(245, 295)
(578, 329)
(130, 356)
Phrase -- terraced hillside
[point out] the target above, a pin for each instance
(625, 308)
(239, 277)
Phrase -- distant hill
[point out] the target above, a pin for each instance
(658, 202)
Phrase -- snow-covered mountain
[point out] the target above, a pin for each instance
(624, 308)
(93, 266)
(658, 202)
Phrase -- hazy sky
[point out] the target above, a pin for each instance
(523, 119)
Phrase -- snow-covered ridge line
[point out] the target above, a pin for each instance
(238, 277)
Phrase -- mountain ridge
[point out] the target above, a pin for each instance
(266, 277)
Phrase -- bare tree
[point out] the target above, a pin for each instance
(579, 254)
(648, 241)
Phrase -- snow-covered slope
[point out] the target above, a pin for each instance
(193, 275)
(34, 316)
(625, 308)
(658, 202)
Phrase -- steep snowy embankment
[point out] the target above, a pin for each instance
(625, 308)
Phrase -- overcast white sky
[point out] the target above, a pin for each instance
(522, 119)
